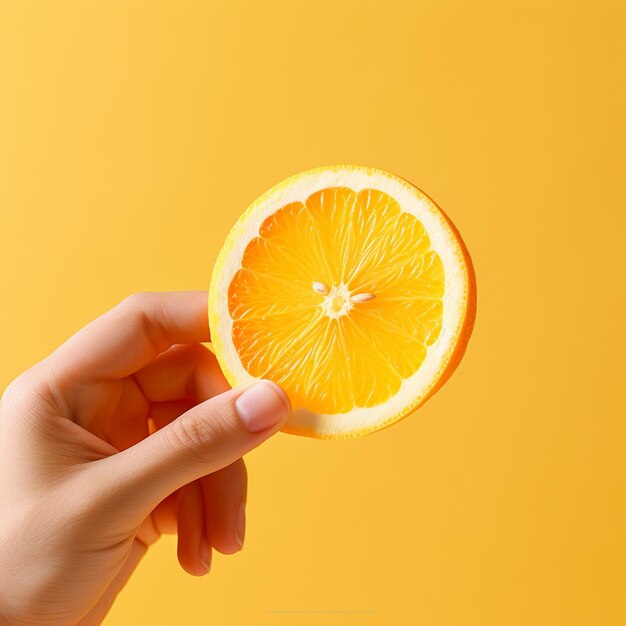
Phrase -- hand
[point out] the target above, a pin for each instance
(85, 488)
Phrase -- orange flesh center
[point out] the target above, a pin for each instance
(337, 303)
(337, 300)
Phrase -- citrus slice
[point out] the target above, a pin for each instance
(349, 288)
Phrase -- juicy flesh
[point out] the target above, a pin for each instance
(337, 300)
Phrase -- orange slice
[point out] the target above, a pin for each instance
(349, 288)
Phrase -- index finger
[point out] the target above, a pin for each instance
(132, 334)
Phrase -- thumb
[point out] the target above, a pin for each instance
(206, 438)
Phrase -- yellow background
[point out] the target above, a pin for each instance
(132, 135)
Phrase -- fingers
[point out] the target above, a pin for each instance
(184, 371)
(163, 390)
(208, 437)
(194, 550)
(131, 335)
(225, 494)
(128, 424)
(211, 513)
(162, 413)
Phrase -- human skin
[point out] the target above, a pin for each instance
(85, 488)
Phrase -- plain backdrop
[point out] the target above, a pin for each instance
(134, 133)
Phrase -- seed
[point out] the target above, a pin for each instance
(320, 288)
(362, 297)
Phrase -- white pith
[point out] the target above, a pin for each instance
(337, 302)
(443, 242)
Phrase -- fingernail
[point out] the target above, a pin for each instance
(240, 530)
(205, 554)
(261, 406)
